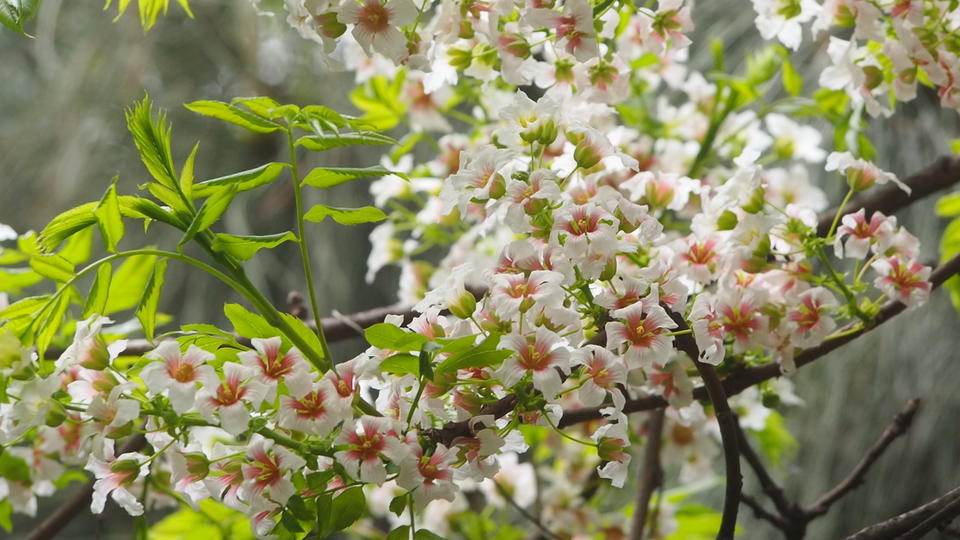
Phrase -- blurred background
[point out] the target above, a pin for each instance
(63, 137)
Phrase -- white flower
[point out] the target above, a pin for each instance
(178, 373)
(375, 24)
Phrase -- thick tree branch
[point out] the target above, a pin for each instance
(902, 523)
(943, 173)
(651, 474)
(900, 424)
(769, 486)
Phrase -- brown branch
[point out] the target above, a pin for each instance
(762, 512)
(727, 422)
(943, 173)
(900, 424)
(743, 379)
(940, 518)
(769, 486)
(77, 502)
(902, 523)
(651, 475)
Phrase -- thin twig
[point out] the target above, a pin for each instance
(761, 512)
(900, 424)
(651, 473)
(943, 516)
(770, 487)
(727, 422)
(901, 523)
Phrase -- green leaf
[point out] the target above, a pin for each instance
(326, 116)
(424, 534)
(51, 323)
(247, 323)
(955, 146)
(13, 13)
(14, 468)
(186, 173)
(392, 337)
(401, 364)
(775, 440)
(485, 354)
(141, 208)
(128, 282)
(214, 522)
(399, 504)
(400, 533)
(78, 247)
(319, 143)
(305, 332)
(13, 280)
(347, 508)
(244, 247)
(6, 509)
(108, 217)
(325, 177)
(149, 10)
(425, 363)
(209, 213)
(150, 301)
(152, 138)
(97, 297)
(379, 99)
(24, 307)
(792, 82)
(266, 107)
(244, 180)
(52, 267)
(345, 216)
(949, 205)
(66, 224)
(234, 115)
(727, 221)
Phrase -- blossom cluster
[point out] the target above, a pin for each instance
(554, 256)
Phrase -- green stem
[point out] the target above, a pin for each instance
(304, 244)
(842, 285)
(716, 120)
(836, 218)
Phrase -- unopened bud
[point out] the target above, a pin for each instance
(860, 179)
(95, 355)
(329, 25)
(756, 201)
(586, 155)
(609, 270)
(464, 305)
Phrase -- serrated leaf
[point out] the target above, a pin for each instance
(244, 180)
(345, 216)
(485, 354)
(233, 115)
(66, 224)
(210, 212)
(150, 301)
(13, 280)
(109, 219)
(319, 143)
(244, 247)
(78, 247)
(248, 324)
(128, 282)
(325, 177)
(186, 173)
(266, 107)
(379, 99)
(392, 337)
(52, 317)
(140, 208)
(152, 138)
(52, 267)
(99, 292)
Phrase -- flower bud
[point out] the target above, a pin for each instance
(609, 270)
(55, 417)
(756, 201)
(95, 355)
(860, 179)
(586, 155)
(464, 305)
(329, 25)
(658, 194)
(499, 186)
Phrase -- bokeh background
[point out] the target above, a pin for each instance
(63, 137)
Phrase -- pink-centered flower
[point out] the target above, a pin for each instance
(114, 477)
(274, 365)
(812, 316)
(375, 24)
(228, 398)
(311, 413)
(640, 334)
(856, 235)
(540, 354)
(368, 443)
(517, 293)
(429, 477)
(178, 373)
(906, 281)
(604, 371)
(268, 470)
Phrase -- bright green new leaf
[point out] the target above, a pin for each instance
(325, 116)
(265, 107)
(244, 180)
(210, 212)
(6, 511)
(140, 208)
(234, 115)
(392, 337)
(24, 307)
(109, 219)
(148, 10)
(186, 173)
(214, 522)
(13, 280)
(792, 81)
(67, 224)
(14, 468)
(325, 177)
(150, 301)
(128, 282)
(306, 333)
(52, 267)
(247, 323)
(345, 216)
(51, 319)
(485, 354)
(401, 364)
(949, 205)
(97, 297)
(380, 101)
(244, 247)
(152, 138)
(319, 143)
(13, 13)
